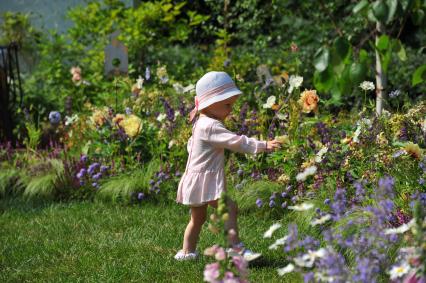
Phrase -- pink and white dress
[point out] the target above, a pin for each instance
(204, 177)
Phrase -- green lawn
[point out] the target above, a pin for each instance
(100, 242)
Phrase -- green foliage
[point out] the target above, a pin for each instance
(43, 181)
(122, 187)
(34, 135)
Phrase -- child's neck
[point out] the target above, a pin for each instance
(210, 116)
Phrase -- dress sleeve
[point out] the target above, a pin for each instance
(221, 137)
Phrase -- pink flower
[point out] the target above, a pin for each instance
(240, 264)
(220, 254)
(75, 70)
(230, 278)
(412, 278)
(76, 77)
(211, 251)
(211, 272)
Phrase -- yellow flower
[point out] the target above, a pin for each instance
(309, 101)
(98, 117)
(131, 125)
(283, 178)
(413, 149)
(381, 139)
(308, 163)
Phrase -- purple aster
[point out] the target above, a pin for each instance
(259, 202)
(97, 176)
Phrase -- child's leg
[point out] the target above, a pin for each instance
(190, 239)
(233, 238)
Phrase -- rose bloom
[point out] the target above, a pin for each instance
(131, 125)
(309, 101)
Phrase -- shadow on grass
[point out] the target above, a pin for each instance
(20, 205)
(265, 262)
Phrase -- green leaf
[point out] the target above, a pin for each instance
(341, 46)
(383, 42)
(360, 6)
(393, 5)
(357, 73)
(321, 60)
(419, 75)
(418, 17)
(363, 55)
(380, 10)
(323, 81)
(401, 51)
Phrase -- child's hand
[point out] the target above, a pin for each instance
(273, 145)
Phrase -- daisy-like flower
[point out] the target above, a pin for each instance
(320, 153)
(271, 230)
(161, 117)
(399, 270)
(286, 269)
(70, 120)
(401, 229)
(366, 86)
(321, 220)
(311, 170)
(279, 242)
(270, 102)
(301, 207)
(307, 260)
(294, 82)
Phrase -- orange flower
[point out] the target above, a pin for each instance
(309, 101)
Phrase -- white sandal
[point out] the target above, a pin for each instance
(181, 255)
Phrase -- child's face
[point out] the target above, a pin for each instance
(221, 109)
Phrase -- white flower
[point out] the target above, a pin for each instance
(189, 88)
(171, 143)
(307, 260)
(356, 134)
(366, 85)
(295, 82)
(178, 88)
(270, 101)
(278, 243)
(70, 120)
(398, 271)
(286, 269)
(161, 117)
(321, 220)
(401, 229)
(139, 82)
(311, 170)
(301, 207)
(281, 116)
(318, 157)
(272, 229)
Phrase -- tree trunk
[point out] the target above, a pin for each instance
(380, 76)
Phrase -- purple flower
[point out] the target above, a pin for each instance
(272, 203)
(92, 168)
(147, 73)
(284, 204)
(81, 173)
(95, 185)
(54, 117)
(240, 172)
(84, 158)
(141, 196)
(104, 168)
(240, 264)
(259, 202)
(421, 181)
(97, 176)
(128, 111)
(308, 277)
(327, 201)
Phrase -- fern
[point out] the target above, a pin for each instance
(34, 136)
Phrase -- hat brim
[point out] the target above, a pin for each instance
(228, 94)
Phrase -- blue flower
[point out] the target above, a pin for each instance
(54, 117)
(272, 203)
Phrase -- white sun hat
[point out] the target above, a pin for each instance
(211, 88)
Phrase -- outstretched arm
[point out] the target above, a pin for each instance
(221, 137)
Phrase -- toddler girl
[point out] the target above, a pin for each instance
(204, 178)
